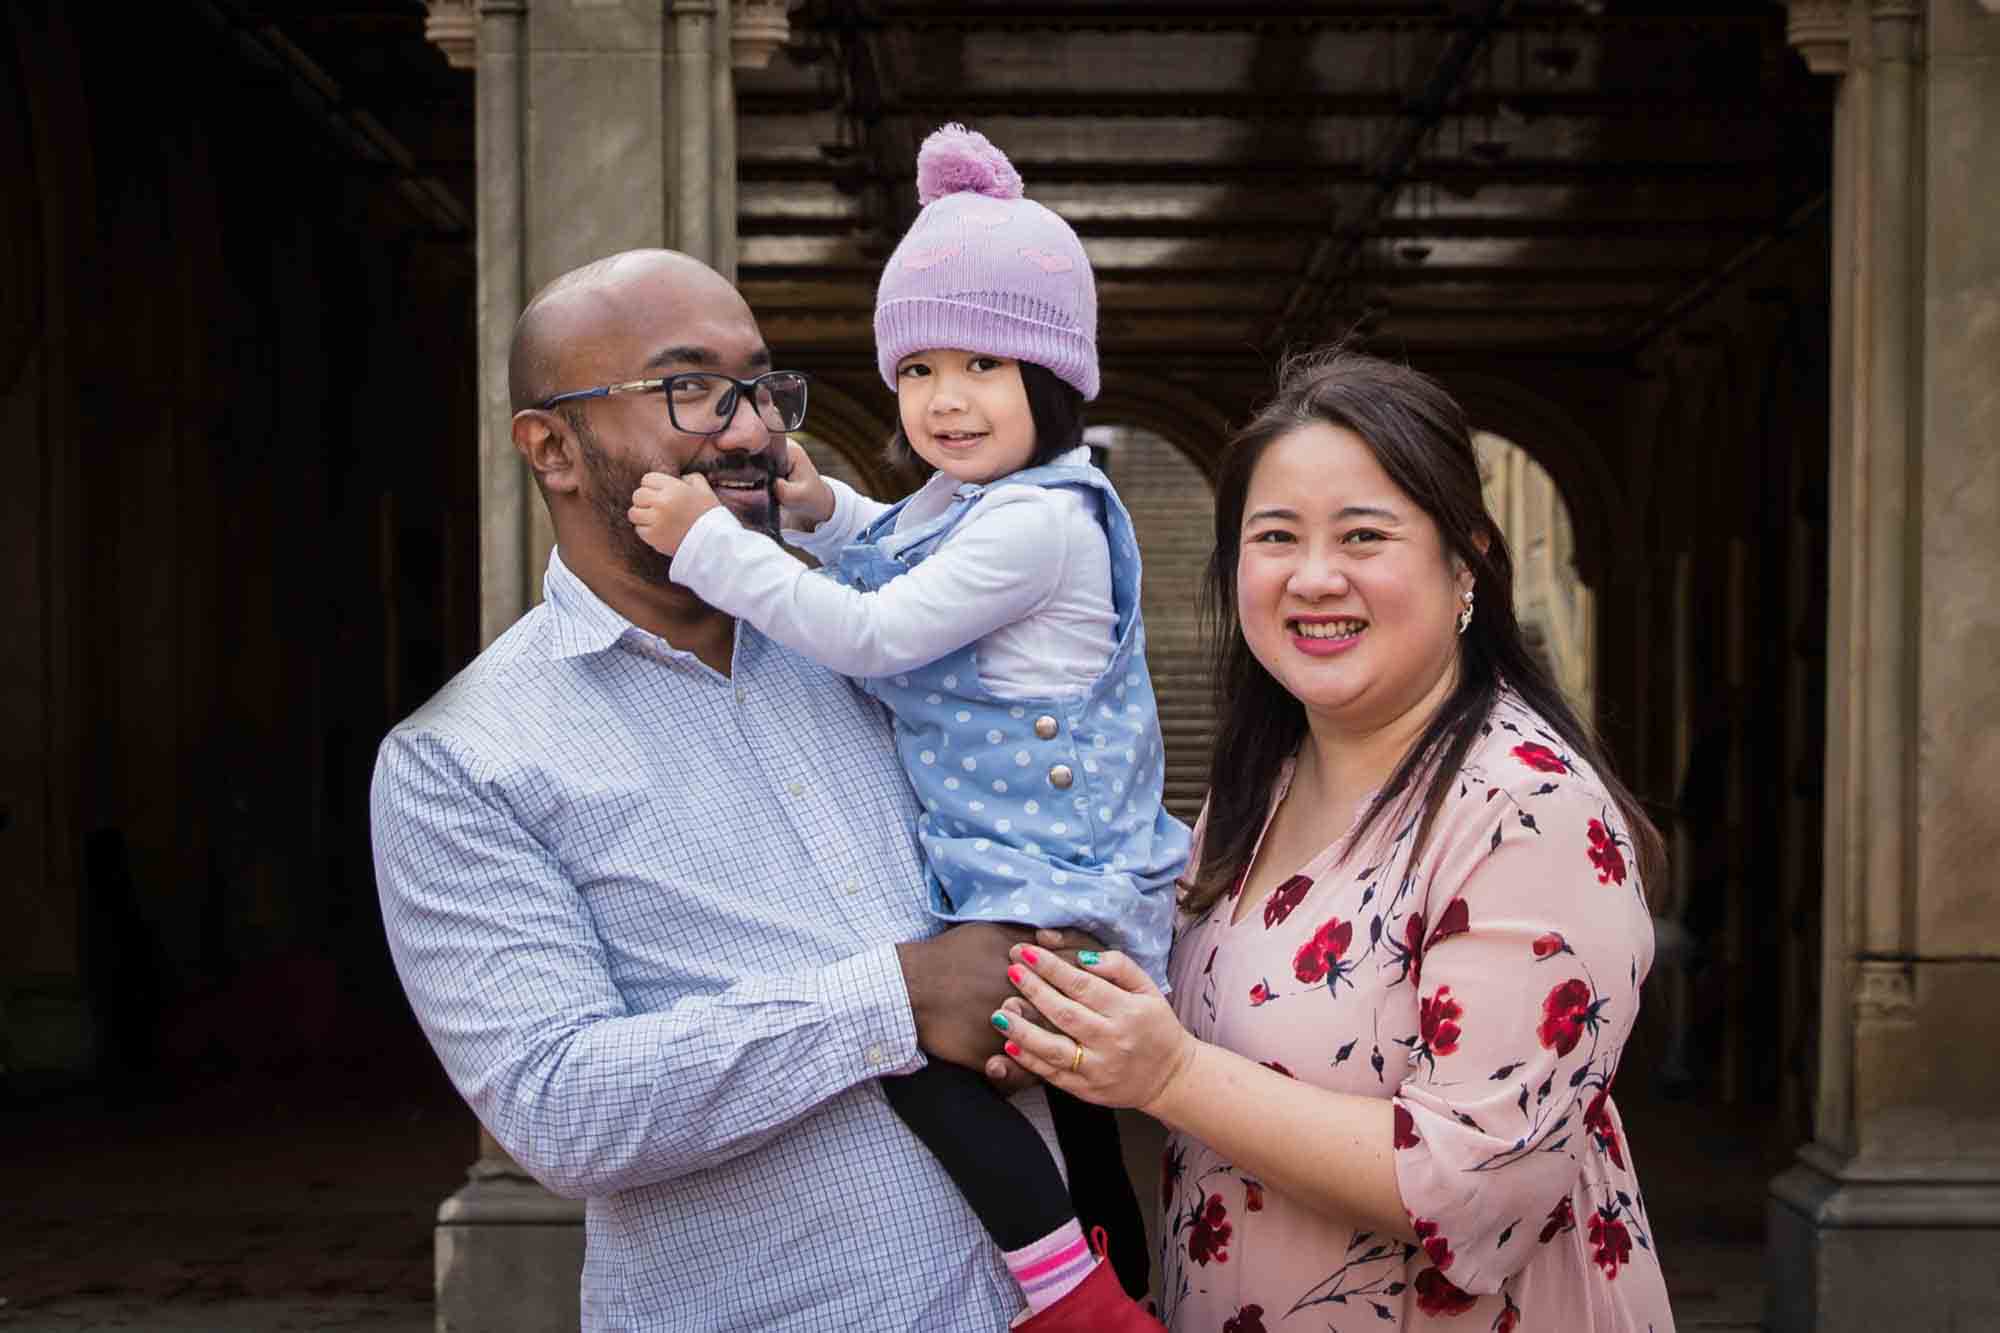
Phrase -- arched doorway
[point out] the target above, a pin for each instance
(1556, 609)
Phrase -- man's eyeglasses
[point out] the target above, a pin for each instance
(703, 402)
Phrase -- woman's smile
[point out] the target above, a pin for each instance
(1325, 636)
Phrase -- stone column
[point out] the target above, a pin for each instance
(1891, 1217)
(571, 167)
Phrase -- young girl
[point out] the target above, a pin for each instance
(996, 613)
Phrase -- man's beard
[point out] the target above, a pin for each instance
(612, 484)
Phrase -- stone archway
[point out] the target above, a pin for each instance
(1191, 424)
(1552, 438)
(1555, 608)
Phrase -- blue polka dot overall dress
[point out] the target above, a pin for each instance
(1044, 811)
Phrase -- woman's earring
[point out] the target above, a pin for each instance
(1465, 616)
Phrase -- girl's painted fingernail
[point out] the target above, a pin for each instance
(1014, 975)
(1013, 1050)
(1000, 1021)
(1088, 957)
(1029, 956)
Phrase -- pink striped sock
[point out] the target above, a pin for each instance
(1048, 1268)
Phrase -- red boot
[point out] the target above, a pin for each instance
(1098, 1304)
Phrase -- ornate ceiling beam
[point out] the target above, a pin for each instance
(1458, 228)
(1328, 15)
(1034, 103)
(1397, 163)
(1387, 175)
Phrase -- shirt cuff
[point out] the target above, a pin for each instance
(883, 1030)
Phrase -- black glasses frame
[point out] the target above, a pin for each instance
(734, 397)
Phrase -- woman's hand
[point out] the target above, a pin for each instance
(1133, 1047)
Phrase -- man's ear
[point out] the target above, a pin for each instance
(548, 447)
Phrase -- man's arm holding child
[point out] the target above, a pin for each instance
(510, 980)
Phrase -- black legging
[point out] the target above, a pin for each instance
(1005, 1172)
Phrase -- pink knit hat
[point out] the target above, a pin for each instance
(985, 270)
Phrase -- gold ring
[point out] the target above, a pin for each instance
(1076, 1061)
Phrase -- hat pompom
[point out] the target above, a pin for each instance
(955, 159)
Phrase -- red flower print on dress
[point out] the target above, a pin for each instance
(1259, 993)
(1566, 1012)
(1318, 959)
(1406, 1128)
(1540, 758)
(1605, 854)
(1561, 1218)
(1437, 1020)
(1436, 1294)
(1455, 920)
(1208, 1237)
(1433, 1241)
(1284, 898)
(1412, 951)
(1509, 1317)
(1611, 1243)
(1253, 1196)
(1597, 1120)
(1250, 1319)
(1551, 945)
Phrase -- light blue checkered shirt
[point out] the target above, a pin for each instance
(646, 914)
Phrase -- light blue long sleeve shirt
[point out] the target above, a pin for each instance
(646, 914)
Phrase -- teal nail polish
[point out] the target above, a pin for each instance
(1000, 1021)
(1088, 957)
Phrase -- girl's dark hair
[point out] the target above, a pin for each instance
(1055, 405)
(1418, 434)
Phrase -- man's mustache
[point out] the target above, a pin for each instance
(758, 469)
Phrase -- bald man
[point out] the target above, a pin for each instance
(652, 882)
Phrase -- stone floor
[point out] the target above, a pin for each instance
(269, 1205)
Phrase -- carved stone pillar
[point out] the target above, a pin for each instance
(571, 167)
(1891, 1218)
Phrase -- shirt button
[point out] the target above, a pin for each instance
(853, 886)
(875, 1057)
(796, 788)
(1045, 727)
(742, 695)
(1060, 776)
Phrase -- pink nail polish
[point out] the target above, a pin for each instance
(1030, 957)
(1013, 1050)
(1014, 975)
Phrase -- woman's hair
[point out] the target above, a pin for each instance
(1417, 433)
(1054, 405)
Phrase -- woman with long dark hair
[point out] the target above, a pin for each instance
(1411, 944)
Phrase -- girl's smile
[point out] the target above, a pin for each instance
(966, 413)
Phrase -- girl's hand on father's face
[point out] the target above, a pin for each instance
(1133, 1047)
(804, 495)
(664, 508)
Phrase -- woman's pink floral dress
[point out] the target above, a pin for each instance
(1488, 991)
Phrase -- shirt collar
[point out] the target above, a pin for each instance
(583, 624)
